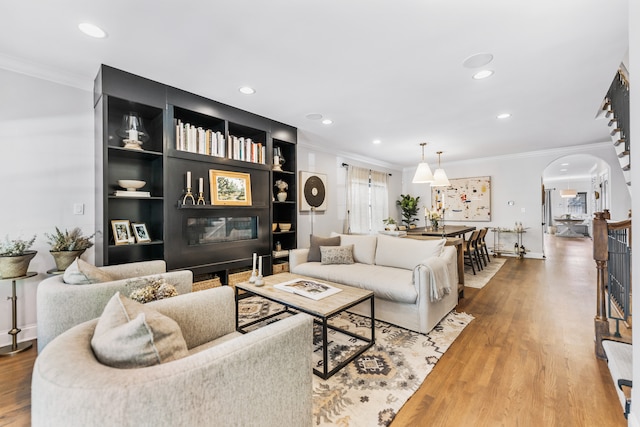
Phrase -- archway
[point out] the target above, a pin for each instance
(575, 186)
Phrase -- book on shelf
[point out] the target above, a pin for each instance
(125, 193)
(280, 254)
(308, 288)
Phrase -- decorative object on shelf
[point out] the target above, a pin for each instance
(284, 226)
(278, 160)
(15, 257)
(67, 246)
(121, 231)
(274, 226)
(282, 187)
(133, 131)
(230, 188)
(439, 176)
(260, 278)
(200, 191)
(140, 232)
(423, 173)
(390, 224)
(132, 186)
(313, 192)
(467, 199)
(189, 194)
(278, 246)
(409, 207)
(254, 276)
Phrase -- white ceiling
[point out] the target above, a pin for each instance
(388, 70)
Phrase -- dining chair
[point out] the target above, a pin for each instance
(482, 246)
(471, 252)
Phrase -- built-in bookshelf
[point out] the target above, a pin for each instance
(194, 136)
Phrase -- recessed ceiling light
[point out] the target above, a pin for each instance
(504, 115)
(563, 170)
(377, 141)
(314, 116)
(564, 164)
(483, 74)
(478, 60)
(247, 90)
(92, 30)
(327, 121)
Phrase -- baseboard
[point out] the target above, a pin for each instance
(532, 255)
(27, 333)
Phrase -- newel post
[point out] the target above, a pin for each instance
(601, 256)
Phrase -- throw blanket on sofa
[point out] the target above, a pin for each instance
(439, 283)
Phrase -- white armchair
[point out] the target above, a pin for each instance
(61, 306)
(228, 379)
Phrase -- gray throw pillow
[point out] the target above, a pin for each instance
(336, 254)
(132, 335)
(316, 242)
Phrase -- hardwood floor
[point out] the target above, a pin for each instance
(526, 360)
(528, 357)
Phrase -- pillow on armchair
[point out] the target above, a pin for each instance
(132, 335)
(82, 273)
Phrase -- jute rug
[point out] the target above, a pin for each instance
(481, 278)
(371, 389)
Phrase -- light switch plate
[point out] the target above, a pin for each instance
(78, 208)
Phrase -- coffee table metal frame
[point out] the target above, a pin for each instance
(320, 317)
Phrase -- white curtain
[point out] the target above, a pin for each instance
(379, 200)
(367, 200)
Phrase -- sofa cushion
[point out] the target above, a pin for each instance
(336, 254)
(132, 335)
(364, 246)
(316, 242)
(82, 273)
(392, 284)
(406, 253)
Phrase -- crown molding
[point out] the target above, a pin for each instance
(352, 156)
(45, 72)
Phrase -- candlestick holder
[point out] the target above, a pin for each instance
(259, 280)
(189, 195)
(200, 198)
(253, 277)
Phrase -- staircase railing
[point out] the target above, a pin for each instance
(616, 109)
(612, 254)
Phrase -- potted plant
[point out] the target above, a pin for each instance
(390, 224)
(282, 187)
(15, 257)
(409, 207)
(67, 246)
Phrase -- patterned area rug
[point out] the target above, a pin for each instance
(481, 278)
(371, 389)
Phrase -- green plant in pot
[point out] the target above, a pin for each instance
(409, 207)
(15, 257)
(67, 246)
(390, 224)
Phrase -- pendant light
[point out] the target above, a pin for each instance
(568, 193)
(423, 173)
(439, 177)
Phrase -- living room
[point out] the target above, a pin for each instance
(48, 167)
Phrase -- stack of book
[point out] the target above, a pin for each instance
(124, 193)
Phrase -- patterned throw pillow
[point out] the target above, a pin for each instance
(336, 254)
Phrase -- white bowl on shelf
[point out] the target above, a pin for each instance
(131, 184)
(285, 226)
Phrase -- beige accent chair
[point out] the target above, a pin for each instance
(262, 378)
(61, 306)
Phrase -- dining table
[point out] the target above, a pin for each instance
(569, 223)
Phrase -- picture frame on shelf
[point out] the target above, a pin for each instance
(121, 231)
(140, 232)
(230, 188)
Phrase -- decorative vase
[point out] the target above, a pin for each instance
(64, 259)
(282, 196)
(434, 224)
(15, 265)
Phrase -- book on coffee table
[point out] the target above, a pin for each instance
(308, 288)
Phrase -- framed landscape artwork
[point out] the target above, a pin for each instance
(230, 188)
(466, 199)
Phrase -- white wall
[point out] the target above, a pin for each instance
(46, 166)
(518, 178)
(312, 159)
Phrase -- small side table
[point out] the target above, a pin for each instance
(15, 347)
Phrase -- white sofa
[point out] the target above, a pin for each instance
(399, 271)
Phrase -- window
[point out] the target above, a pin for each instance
(367, 199)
